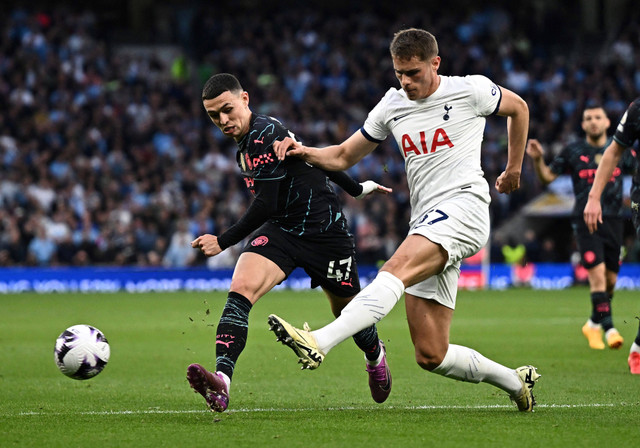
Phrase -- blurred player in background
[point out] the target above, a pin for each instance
(627, 132)
(298, 222)
(438, 123)
(599, 251)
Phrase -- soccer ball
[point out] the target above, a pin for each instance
(81, 352)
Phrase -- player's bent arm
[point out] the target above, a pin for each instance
(353, 188)
(261, 209)
(517, 112)
(535, 151)
(544, 174)
(336, 157)
(346, 182)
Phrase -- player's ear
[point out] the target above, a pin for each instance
(245, 98)
(435, 63)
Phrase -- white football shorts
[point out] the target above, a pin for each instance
(460, 224)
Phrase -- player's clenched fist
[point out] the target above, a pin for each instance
(508, 182)
(208, 244)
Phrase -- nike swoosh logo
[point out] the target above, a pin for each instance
(301, 336)
(401, 116)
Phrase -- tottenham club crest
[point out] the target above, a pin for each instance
(447, 108)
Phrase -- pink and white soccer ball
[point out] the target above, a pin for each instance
(81, 352)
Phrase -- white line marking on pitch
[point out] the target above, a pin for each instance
(347, 408)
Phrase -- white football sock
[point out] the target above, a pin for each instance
(376, 362)
(634, 348)
(226, 379)
(592, 324)
(365, 309)
(465, 364)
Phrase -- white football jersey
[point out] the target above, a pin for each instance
(440, 137)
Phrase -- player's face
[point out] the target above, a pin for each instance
(230, 113)
(595, 122)
(418, 78)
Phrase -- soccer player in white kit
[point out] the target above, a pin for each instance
(438, 123)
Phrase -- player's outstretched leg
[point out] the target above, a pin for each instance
(525, 400)
(465, 364)
(380, 377)
(302, 342)
(210, 385)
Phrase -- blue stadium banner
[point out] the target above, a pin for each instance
(112, 279)
(554, 276)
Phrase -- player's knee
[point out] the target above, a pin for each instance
(246, 288)
(251, 286)
(428, 359)
(238, 286)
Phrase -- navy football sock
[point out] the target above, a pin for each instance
(231, 335)
(601, 310)
(367, 340)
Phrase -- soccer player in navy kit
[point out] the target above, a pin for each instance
(298, 222)
(438, 123)
(599, 251)
(627, 132)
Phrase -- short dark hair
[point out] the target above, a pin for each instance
(220, 83)
(592, 106)
(414, 42)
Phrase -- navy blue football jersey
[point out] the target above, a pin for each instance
(580, 160)
(306, 203)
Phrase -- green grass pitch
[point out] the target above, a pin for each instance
(585, 397)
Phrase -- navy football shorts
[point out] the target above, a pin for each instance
(601, 246)
(328, 257)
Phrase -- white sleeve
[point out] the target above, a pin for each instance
(375, 125)
(487, 95)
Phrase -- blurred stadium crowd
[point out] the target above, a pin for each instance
(107, 157)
